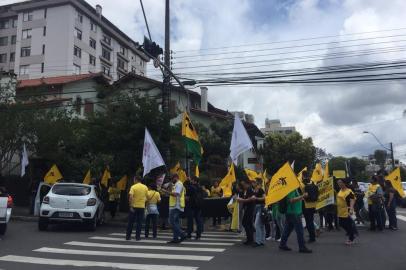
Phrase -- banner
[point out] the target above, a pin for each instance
(339, 174)
(326, 193)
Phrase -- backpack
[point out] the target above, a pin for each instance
(283, 206)
(198, 197)
(313, 192)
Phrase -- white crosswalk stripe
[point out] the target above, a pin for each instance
(402, 218)
(113, 251)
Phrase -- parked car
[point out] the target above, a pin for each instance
(6, 203)
(70, 202)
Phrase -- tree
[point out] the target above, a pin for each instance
(356, 167)
(380, 157)
(279, 149)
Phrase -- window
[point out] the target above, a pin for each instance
(25, 51)
(121, 64)
(3, 41)
(4, 24)
(107, 39)
(92, 60)
(78, 34)
(43, 49)
(106, 70)
(24, 69)
(13, 40)
(42, 67)
(27, 16)
(15, 22)
(89, 107)
(133, 69)
(3, 58)
(77, 52)
(45, 13)
(12, 57)
(123, 50)
(44, 31)
(92, 43)
(106, 54)
(77, 69)
(93, 27)
(27, 33)
(80, 17)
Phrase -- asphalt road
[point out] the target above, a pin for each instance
(72, 247)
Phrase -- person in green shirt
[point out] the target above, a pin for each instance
(294, 203)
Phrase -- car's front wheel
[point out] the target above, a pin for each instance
(92, 224)
(43, 224)
(3, 228)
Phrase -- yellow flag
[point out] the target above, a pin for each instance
(326, 172)
(122, 183)
(226, 183)
(53, 175)
(396, 180)
(265, 179)
(282, 183)
(105, 178)
(88, 178)
(252, 175)
(188, 129)
(197, 171)
(317, 175)
(300, 177)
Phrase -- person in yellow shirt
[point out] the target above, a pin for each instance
(114, 198)
(216, 192)
(375, 205)
(152, 210)
(137, 198)
(345, 209)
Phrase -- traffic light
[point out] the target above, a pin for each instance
(152, 48)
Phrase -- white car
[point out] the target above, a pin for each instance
(6, 202)
(70, 202)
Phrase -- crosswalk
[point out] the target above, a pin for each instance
(113, 251)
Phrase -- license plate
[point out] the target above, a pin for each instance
(66, 215)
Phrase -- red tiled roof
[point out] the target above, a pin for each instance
(56, 80)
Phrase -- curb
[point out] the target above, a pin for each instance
(35, 219)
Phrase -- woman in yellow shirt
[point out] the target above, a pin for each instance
(114, 198)
(345, 209)
(153, 199)
(216, 192)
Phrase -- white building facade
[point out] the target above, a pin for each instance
(47, 38)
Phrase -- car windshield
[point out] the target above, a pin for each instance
(71, 190)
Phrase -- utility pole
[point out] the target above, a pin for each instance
(392, 155)
(166, 91)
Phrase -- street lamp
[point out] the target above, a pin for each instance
(390, 149)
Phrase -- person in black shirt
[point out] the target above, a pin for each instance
(259, 209)
(194, 195)
(247, 198)
(390, 205)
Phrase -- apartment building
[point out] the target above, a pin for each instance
(48, 38)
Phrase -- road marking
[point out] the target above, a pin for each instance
(145, 247)
(75, 263)
(202, 239)
(162, 242)
(124, 254)
(403, 218)
(231, 236)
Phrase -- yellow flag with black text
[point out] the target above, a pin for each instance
(317, 175)
(226, 183)
(300, 177)
(191, 138)
(88, 178)
(396, 180)
(53, 175)
(252, 175)
(282, 183)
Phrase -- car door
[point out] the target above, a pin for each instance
(42, 191)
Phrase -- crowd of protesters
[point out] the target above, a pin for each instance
(260, 223)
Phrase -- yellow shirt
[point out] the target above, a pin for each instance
(215, 192)
(371, 191)
(114, 194)
(139, 193)
(153, 197)
(342, 207)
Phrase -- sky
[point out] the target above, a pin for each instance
(334, 115)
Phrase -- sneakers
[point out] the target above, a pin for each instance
(285, 248)
(305, 250)
(270, 238)
(257, 245)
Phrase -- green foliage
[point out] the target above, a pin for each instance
(380, 157)
(356, 166)
(278, 149)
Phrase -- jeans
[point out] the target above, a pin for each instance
(309, 217)
(293, 222)
(174, 220)
(194, 215)
(391, 211)
(247, 223)
(151, 218)
(113, 208)
(216, 221)
(259, 225)
(279, 225)
(348, 225)
(136, 215)
(376, 217)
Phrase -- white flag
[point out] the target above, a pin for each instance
(151, 158)
(24, 161)
(293, 165)
(240, 141)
